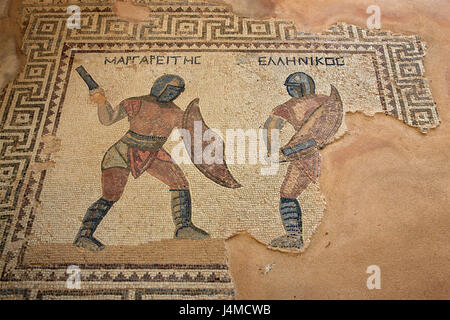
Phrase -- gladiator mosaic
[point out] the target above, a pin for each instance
(130, 152)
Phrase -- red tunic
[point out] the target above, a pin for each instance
(298, 111)
(141, 159)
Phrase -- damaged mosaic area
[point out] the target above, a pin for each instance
(54, 142)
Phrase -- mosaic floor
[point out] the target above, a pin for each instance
(53, 145)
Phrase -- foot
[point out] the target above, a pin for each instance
(287, 241)
(89, 243)
(191, 232)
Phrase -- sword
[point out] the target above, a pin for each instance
(297, 148)
(87, 78)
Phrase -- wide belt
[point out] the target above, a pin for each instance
(142, 142)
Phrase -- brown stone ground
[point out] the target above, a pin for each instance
(190, 252)
(387, 186)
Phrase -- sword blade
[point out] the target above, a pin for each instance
(87, 78)
(299, 147)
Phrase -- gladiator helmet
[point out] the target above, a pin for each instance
(167, 87)
(300, 84)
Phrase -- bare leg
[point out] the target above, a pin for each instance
(114, 181)
(169, 173)
(172, 175)
(295, 182)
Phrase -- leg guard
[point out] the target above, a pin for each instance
(94, 215)
(291, 216)
(181, 214)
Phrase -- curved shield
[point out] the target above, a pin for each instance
(326, 126)
(219, 173)
(321, 132)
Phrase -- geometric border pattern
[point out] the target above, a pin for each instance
(31, 107)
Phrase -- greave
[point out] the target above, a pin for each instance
(181, 214)
(92, 219)
(291, 216)
(181, 208)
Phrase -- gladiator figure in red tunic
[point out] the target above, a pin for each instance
(316, 119)
(152, 118)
